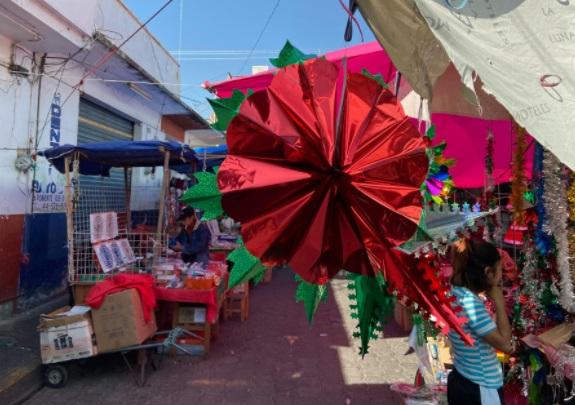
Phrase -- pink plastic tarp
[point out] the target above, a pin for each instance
(466, 139)
(466, 136)
(368, 56)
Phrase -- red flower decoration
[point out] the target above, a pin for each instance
(323, 167)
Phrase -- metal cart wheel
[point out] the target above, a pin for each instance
(55, 376)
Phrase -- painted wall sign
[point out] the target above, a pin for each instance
(48, 187)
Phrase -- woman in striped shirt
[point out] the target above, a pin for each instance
(477, 377)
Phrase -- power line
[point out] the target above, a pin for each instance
(260, 35)
(113, 51)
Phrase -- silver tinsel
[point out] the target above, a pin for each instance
(556, 207)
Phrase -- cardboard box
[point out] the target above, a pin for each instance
(191, 314)
(66, 334)
(120, 322)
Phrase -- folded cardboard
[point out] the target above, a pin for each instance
(66, 334)
(558, 335)
(191, 314)
(120, 323)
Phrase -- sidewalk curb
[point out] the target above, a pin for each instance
(21, 384)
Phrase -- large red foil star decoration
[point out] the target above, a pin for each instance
(323, 166)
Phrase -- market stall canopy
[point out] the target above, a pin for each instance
(365, 56)
(521, 49)
(98, 158)
(458, 122)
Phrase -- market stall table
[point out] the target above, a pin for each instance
(211, 298)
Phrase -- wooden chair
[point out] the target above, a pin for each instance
(237, 301)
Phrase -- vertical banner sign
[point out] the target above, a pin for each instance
(49, 184)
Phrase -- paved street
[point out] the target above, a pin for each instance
(273, 358)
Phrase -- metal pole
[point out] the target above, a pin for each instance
(69, 218)
(128, 196)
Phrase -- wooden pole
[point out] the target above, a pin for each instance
(163, 194)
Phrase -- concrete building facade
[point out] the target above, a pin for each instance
(63, 81)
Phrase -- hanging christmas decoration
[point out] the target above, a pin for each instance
(227, 108)
(519, 182)
(205, 195)
(245, 267)
(542, 239)
(311, 295)
(556, 207)
(290, 55)
(439, 185)
(372, 305)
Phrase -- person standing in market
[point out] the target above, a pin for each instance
(477, 376)
(194, 239)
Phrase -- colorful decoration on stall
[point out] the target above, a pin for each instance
(205, 195)
(304, 151)
(246, 267)
(489, 180)
(311, 295)
(227, 108)
(439, 185)
(557, 210)
(542, 239)
(571, 202)
(377, 77)
(519, 182)
(372, 305)
(290, 55)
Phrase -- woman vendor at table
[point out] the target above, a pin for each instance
(194, 239)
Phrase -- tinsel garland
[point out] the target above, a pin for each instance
(519, 183)
(556, 206)
(489, 181)
(542, 240)
(571, 202)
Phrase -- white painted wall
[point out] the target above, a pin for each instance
(18, 102)
(112, 17)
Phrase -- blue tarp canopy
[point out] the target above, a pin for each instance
(98, 158)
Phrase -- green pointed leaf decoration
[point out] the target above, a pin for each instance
(205, 195)
(377, 77)
(375, 305)
(290, 55)
(311, 295)
(246, 267)
(227, 108)
(431, 132)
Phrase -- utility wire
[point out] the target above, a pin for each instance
(260, 35)
(113, 51)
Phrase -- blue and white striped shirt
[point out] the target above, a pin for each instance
(477, 363)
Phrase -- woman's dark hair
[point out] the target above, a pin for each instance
(470, 259)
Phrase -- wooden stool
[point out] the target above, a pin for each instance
(237, 301)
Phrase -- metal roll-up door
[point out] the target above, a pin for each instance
(97, 193)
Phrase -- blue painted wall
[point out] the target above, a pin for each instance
(44, 273)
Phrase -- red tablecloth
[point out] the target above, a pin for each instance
(210, 298)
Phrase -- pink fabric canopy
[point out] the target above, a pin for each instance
(466, 137)
(368, 56)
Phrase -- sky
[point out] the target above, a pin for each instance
(217, 36)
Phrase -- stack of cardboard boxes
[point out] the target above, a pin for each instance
(79, 332)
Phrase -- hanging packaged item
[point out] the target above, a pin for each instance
(103, 226)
